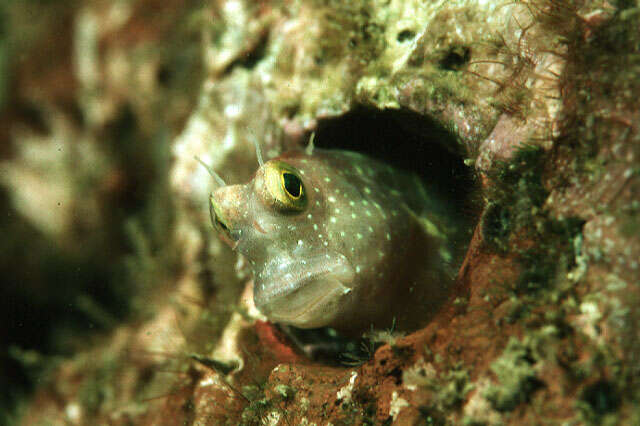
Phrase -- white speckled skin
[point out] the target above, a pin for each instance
(355, 256)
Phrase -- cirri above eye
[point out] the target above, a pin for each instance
(285, 186)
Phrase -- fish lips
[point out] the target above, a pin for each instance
(305, 293)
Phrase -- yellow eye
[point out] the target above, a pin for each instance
(284, 186)
(291, 184)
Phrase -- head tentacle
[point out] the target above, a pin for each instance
(219, 181)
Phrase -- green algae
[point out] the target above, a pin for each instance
(516, 376)
(515, 200)
(517, 210)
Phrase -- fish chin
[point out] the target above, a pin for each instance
(311, 297)
(315, 304)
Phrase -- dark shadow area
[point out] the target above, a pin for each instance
(456, 58)
(54, 298)
(250, 58)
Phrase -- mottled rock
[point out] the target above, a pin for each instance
(538, 98)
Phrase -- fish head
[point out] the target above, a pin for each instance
(279, 222)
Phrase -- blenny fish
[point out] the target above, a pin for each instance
(335, 238)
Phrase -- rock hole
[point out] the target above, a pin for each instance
(164, 75)
(396, 373)
(417, 144)
(252, 56)
(411, 142)
(405, 35)
(431, 416)
(455, 58)
(602, 397)
(33, 116)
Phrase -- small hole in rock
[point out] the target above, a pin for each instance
(396, 373)
(405, 35)
(602, 397)
(455, 58)
(163, 75)
(252, 57)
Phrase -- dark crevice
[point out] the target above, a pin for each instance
(32, 116)
(396, 373)
(250, 58)
(455, 58)
(164, 75)
(405, 35)
(602, 397)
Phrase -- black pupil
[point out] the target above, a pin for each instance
(292, 184)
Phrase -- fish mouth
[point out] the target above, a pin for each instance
(314, 304)
(227, 234)
(305, 295)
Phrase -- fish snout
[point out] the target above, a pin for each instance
(226, 209)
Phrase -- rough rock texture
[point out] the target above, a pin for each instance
(540, 100)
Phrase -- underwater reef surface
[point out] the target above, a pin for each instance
(124, 306)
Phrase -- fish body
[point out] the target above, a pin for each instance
(335, 238)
